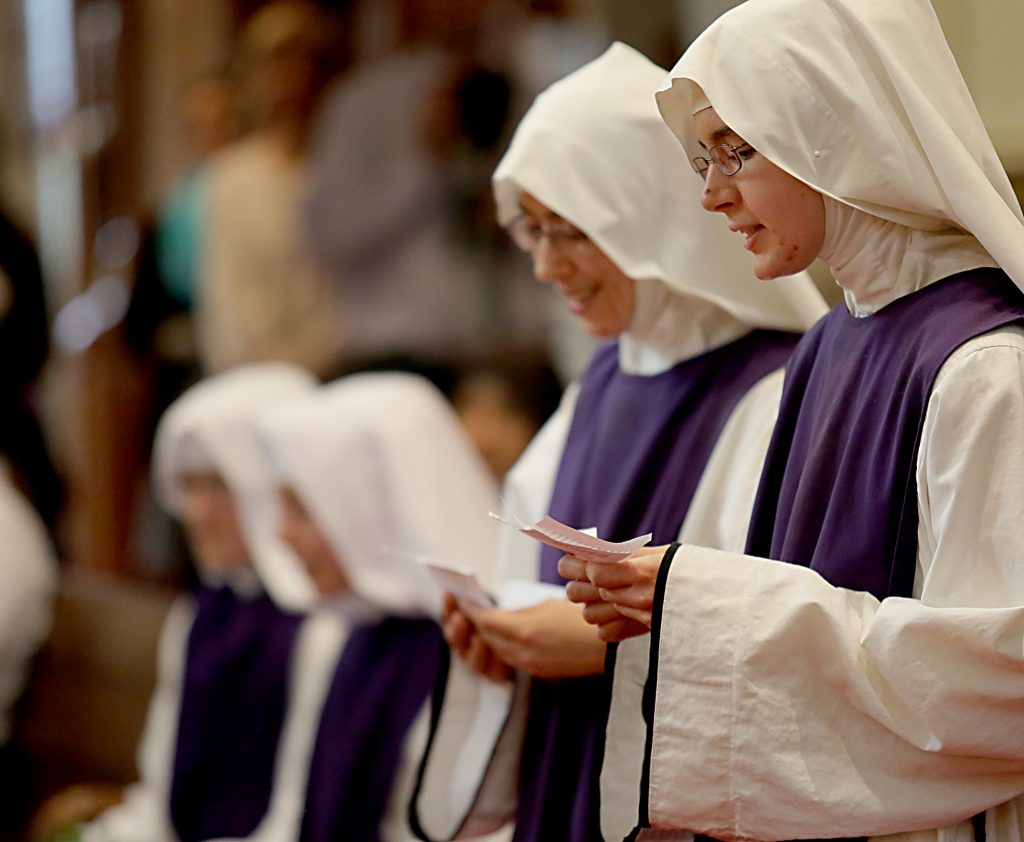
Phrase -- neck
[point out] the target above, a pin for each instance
(876, 261)
(669, 327)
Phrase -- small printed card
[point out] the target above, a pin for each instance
(449, 576)
(459, 581)
(576, 542)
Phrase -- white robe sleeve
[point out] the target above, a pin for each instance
(144, 814)
(467, 783)
(718, 517)
(788, 708)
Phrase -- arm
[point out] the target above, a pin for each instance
(872, 717)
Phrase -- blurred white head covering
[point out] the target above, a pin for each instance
(386, 471)
(593, 149)
(862, 100)
(209, 429)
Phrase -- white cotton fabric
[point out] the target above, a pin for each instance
(862, 100)
(787, 708)
(593, 149)
(386, 471)
(28, 584)
(210, 427)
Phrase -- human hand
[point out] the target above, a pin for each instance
(612, 627)
(628, 585)
(548, 640)
(466, 642)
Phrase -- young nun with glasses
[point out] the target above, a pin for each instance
(370, 470)
(859, 670)
(207, 756)
(690, 366)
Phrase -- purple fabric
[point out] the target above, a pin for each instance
(635, 452)
(233, 704)
(838, 493)
(383, 679)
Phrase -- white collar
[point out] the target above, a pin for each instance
(877, 261)
(670, 326)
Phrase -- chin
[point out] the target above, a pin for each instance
(769, 270)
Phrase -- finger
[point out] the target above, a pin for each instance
(638, 614)
(502, 649)
(599, 613)
(581, 592)
(622, 629)
(478, 655)
(570, 567)
(449, 606)
(498, 671)
(456, 632)
(615, 574)
(489, 622)
(473, 612)
(634, 596)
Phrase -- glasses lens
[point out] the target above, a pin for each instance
(524, 234)
(700, 166)
(726, 159)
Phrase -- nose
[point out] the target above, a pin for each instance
(549, 264)
(719, 192)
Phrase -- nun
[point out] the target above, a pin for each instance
(691, 358)
(207, 755)
(373, 471)
(858, 672)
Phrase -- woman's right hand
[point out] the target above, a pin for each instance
(466, 642)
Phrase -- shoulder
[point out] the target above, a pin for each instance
(995, 358)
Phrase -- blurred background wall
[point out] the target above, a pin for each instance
(92, 137)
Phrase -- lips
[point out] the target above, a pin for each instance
(577, 301)
(749, 233)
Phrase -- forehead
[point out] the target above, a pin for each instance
(536, 209)
(712, 130)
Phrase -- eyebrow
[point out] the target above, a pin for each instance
(720, 133)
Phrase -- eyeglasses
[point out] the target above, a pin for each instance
(728, 159)
(568, 239)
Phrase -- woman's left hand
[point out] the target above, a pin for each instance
(628, 585)
(549, 640)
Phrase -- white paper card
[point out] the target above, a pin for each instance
(454, 578)
(549, 531)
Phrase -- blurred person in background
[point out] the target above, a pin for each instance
(502, 402)
(400, 212)
(261, 296)
(158, 325)
(372, 469)
(24, 346)
(28, 584)
(207, 756)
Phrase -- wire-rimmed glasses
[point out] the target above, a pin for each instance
(567, 238)
(728, 159)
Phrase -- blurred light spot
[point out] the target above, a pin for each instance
(86, 317)
(116, 243)
(50, 47)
